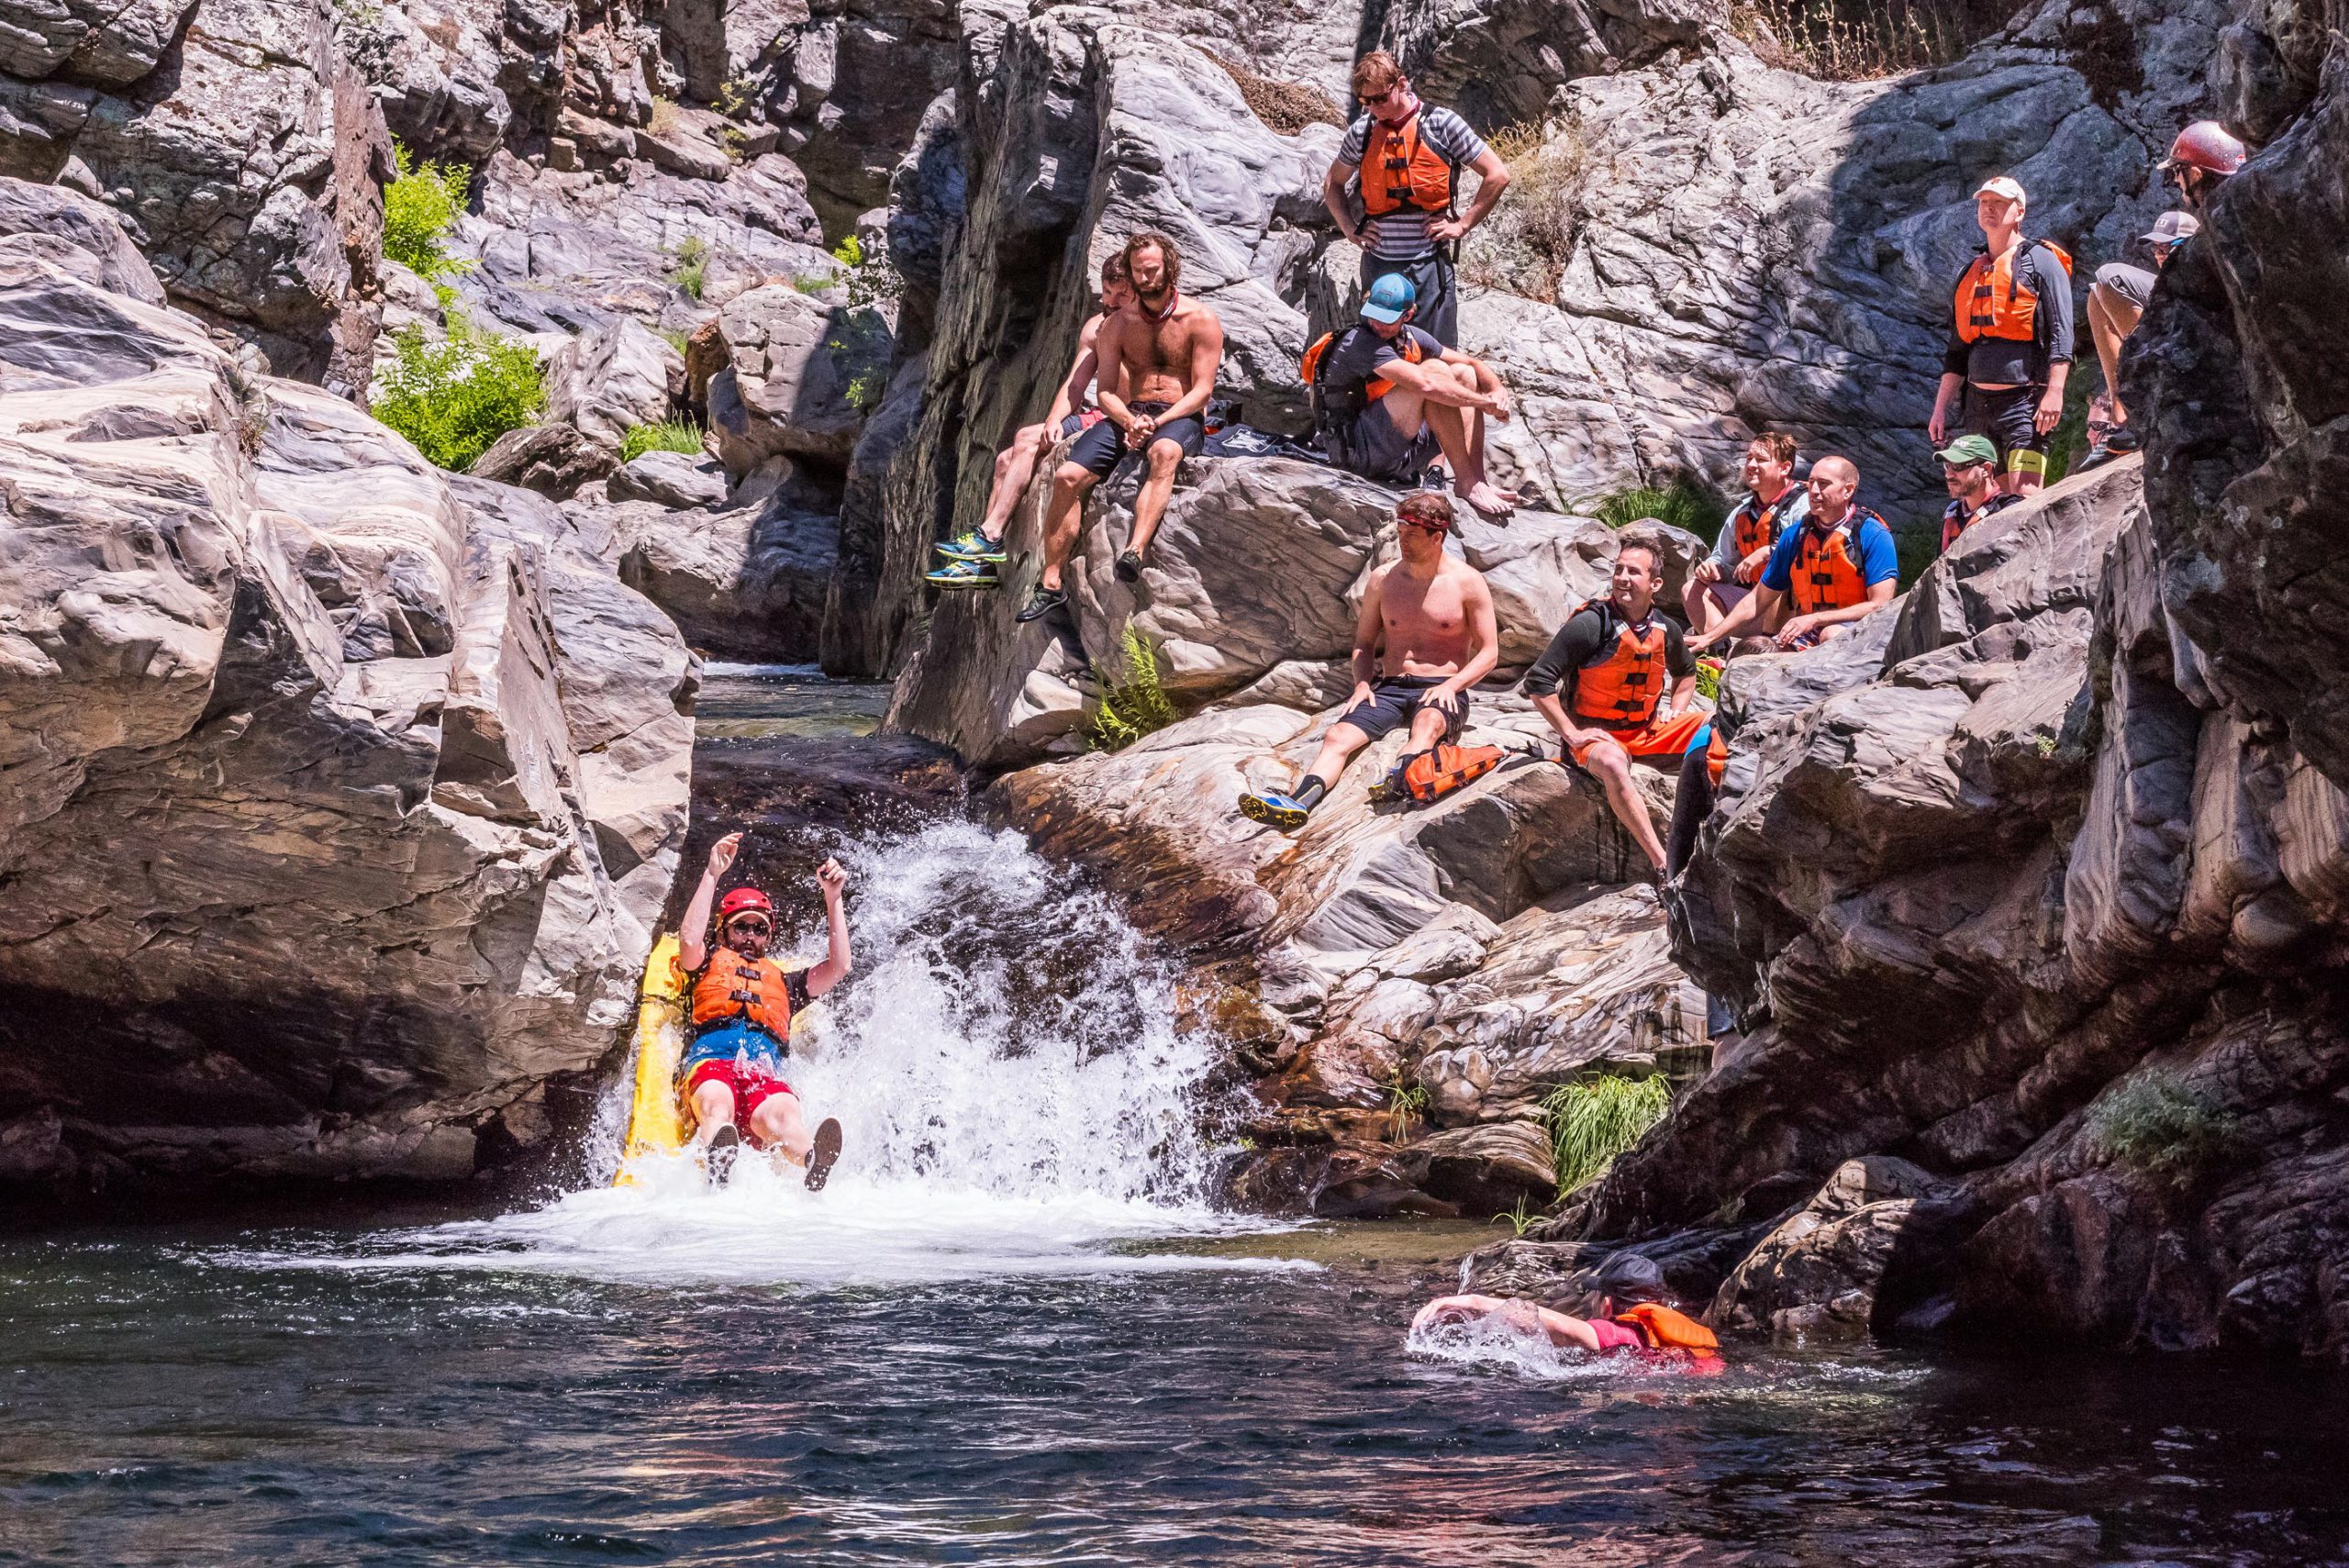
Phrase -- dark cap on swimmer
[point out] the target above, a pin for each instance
(1627, 1276)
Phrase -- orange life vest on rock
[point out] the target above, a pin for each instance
(735, 986)
(1665, 1329)
(1992, 302)
(1400, 171)
(1621, 689)
(1826, 577)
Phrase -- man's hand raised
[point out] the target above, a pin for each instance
(722, 853)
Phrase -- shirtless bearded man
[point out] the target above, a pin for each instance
(1434, 616)
(1163, 349)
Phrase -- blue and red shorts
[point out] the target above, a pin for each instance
(749, 1087)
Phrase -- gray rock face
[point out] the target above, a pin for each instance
(669, 479)
(801, 377)
(1814, 1278)
(1500, 61)
(107, 45)
(612, 378)
(364, 783)
(746, 581)
(70, 230)
(434, 67)
(853, 78)
(553, 460)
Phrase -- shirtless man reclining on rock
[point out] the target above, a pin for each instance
(972, 556)
(1433, 616)
(1165, 350)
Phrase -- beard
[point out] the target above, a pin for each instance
(750, 946)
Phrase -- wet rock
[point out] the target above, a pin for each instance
(1814, 1278)
(1489, 1169)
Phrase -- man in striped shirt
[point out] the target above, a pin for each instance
(1406, 158)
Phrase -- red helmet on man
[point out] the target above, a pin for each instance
(2206, 144)
(743, 900)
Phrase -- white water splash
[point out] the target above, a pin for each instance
(1015, 1094)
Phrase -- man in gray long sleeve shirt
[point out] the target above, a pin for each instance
(2010, 340)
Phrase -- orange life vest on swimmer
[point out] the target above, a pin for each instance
(1400, 171)
(1992, 302)
(1826, 575)
(1665, 1329)
(734, 986)
(1621, 688)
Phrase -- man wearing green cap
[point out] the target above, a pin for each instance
(1970, 466)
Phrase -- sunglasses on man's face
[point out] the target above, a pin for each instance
(761, 927)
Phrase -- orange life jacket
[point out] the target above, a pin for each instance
(1956, 519)
(1399, 171)
(1826, 576)
(1330, 408)
(1621, 688)
(1757, 527)
(1432, 774)
(1991, 302)
(735, 986)
(1665, 1329)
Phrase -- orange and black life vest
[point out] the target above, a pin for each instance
(1758, 526)
(734, 986)
(1621, 688)
(1992, 301)
(1330, 404)
(1956, 519)
(1827, 576)
(1665, 1329)
(1400, 172)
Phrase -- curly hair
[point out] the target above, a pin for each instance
(1167, 248)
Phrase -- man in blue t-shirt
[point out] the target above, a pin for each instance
(1838, 566)
(1405, 159)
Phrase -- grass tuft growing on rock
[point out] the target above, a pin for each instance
(1524, 245)
(1133, 702)
(452, 398)
(420, 207)
(1861, 40)
(2157, 1123)
(1284, 106)
(692, 256)
(1686, 505)
(667, 436)
(1593, 1121)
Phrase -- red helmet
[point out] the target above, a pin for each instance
(2206, 144)
(741, 899)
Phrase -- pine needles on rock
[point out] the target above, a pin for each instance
(1593, 1121)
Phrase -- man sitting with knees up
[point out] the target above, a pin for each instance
(1773, 502)
(1432, 615)
(1836, 566)
(742, 1003)
(1388, 398)
(2117, 302)
(1602, 681)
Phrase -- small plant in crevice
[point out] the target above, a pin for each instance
(664, 119)
(2157, 1123)
(1519, 1218)
(422, 205)
(1524, 244)
(1686, 505)
(453, 397)
(1593, 1121)
(860, 346)
(1133, 702)
(871, 279)
(666, 436)
(690, 256)
(734, 96)
(735, 140)
(1407, 1104)
(678, 340)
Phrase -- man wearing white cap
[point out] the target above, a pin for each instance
(2010, 340)
(2118, 298)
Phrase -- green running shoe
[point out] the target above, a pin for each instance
(973, 546)
(962, 574)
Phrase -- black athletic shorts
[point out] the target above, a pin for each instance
(1374, 448)
(1395, 701)
(1102, 448)
(2010, 417)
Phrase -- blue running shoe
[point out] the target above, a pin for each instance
(973, 546)
(1272, 810)
(961, 574)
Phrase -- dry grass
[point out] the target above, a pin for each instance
(1524, 245)
(664, 118)
(1862, 40)
(1285, 107)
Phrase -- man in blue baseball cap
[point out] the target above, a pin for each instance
(1387, 398)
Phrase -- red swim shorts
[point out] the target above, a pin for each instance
(1671, 740)
(750, 1089)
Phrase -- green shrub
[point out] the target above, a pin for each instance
(871, 279)
(1593, 1121)
(1686, 505)
(1407, 1104)
(678, 340)
(734, 96)
(452, 398)
(2162, 1125)
(692, 256)
(1134, 702)
(420, 207)
(668, 436)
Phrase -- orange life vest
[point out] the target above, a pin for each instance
(1407, 349)
(1621, 689)
(1665, 1329)
(735, 986)
(1757, 527)
(1430, 775)
(1826, 577)
(1399, 171)
(1956, 519)
(1991, 302)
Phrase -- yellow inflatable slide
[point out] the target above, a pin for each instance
(653, 1125)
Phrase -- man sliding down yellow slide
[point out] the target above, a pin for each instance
(741, 1004)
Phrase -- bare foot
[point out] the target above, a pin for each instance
(1492, 501)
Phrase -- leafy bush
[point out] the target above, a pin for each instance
(2162, 1125)
(1593, 1121)
(871, 279)
(452, 398)
(1860, 41)
(420, 207)
(1134, 704)
(734, 95)
(668, 436)
(692, 254)
(1686, 505)
(1524, 244)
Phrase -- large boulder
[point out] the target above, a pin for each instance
(107, 45)
(1816, 1277)
(801, 376)
(746, 581)
(364, 783)
(70, 230)
(612, 378)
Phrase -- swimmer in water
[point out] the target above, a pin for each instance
(1631, 1312)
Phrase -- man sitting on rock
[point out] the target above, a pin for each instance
(1164, 349)
(2117, 302)
(1835, 567)
(1614, 658)
(1970, 467)
(1392, 398)
(741, 1003)
(1427, 621)
(972, 556)
(1773, 500)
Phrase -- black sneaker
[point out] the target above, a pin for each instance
(718, 1160)
(1042, 603)
(824, 1155)
(1129, 567)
